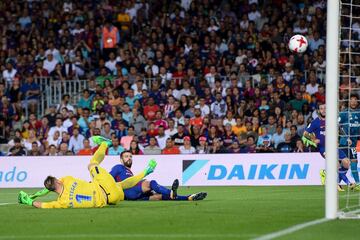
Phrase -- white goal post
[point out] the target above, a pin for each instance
(332, 88)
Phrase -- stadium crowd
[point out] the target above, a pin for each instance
(202, 56)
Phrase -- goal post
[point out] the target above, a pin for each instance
(332, 88)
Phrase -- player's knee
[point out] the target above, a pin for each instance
(91, 165)
(145, 186)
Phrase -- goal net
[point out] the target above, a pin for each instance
(349, 104)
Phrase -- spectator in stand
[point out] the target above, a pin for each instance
(52, 151)
(28, 143)
(264, 142)
(116, 149)
(58, 127)
(170, 148)
(150, 109)
(110, 37)
(86, 150)
(217, 146)
(286, 146)
(218, 108)
(17, 149)
(65, 103)
(30, 92)
(135, 149)
(85, 100)
(312, 87)
(137, 121)
(171, 131)
(126, 140)
(298, 102)
(278, 136)
(50, 63)
(187, 148)
(35, 150)
(100, 122)
(202, 148)
(76, 142)
(63, 149)
(161, 137)
(9, 73)
(152, 148)
(107, 131)
(250, 146)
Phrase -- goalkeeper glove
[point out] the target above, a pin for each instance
(151, 167)
(40, 193)
(24, 198)
(308, 142)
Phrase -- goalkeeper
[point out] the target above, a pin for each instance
(314, 135)
(349, 123)
(77, 193)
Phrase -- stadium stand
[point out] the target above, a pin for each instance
(214, 74)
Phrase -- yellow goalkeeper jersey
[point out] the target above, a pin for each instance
(78, 193)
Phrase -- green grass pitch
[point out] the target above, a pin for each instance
(227, 213)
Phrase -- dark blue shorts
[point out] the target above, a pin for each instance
(136, 193)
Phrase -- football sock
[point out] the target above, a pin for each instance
(182, 198)
(99, 155)
(354, 171)
(160, 189)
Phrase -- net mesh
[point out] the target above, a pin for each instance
(349, 107)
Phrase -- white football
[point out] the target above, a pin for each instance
(298, 43)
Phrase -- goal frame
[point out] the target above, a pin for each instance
(332, 106)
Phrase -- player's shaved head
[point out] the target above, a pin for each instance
(49, 183)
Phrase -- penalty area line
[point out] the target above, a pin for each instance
(291, 229)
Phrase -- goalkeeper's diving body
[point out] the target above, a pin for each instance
(314, 135)
(148, 190)
(77, 193)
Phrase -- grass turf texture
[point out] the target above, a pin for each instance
(227, 213)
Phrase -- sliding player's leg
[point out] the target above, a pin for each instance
(107, 183)
(166, 194)
(343, 167)
(101, 176)
(99, 155)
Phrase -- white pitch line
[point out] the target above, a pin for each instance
(6, 203)
(127, 236)
(291, 229)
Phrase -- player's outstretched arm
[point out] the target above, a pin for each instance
(25, 199)
(132, 181)
(40, 193)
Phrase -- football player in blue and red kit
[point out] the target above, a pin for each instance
(148, 190)
(314, 135)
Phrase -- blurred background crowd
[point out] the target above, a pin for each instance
(161, 76)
